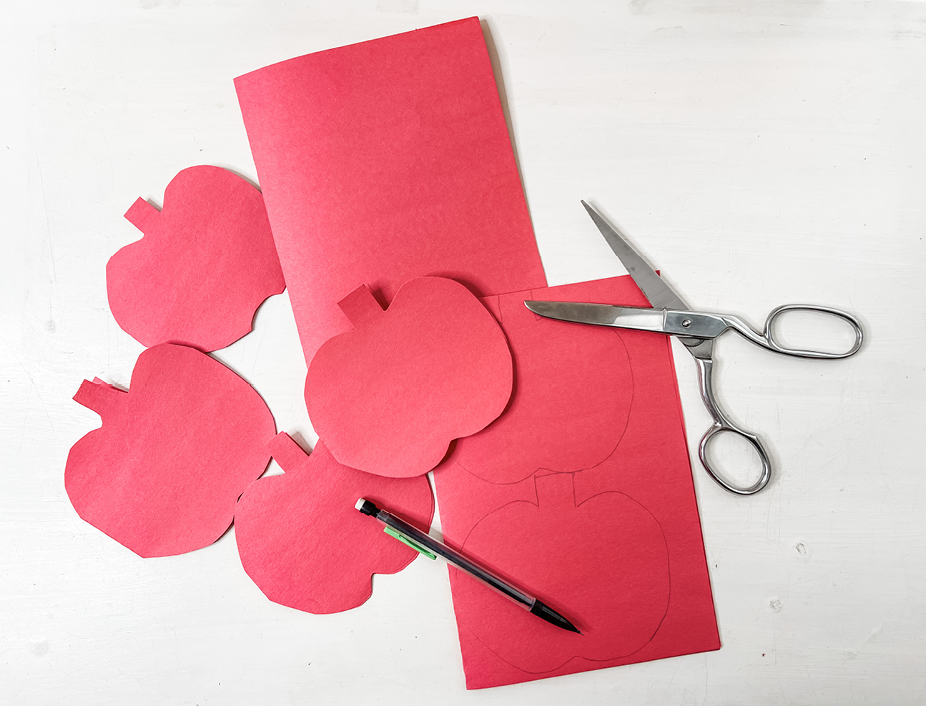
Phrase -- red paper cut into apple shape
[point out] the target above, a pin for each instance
(163, 473)
(302, 541)
(615, 589)
(572, 394)
(390, 396)
(205, 264)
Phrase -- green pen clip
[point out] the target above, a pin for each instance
(405, 540)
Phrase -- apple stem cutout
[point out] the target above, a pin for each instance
(99, 396)
(361, 307)
(303, 543)
(142, 215)
(390, 396)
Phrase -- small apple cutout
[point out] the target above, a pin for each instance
(602, 563)
(205, 264)
(163, 473)
(303, 543)
(390, 396)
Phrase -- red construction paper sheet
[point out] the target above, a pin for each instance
(302, 541)
(566, 415)
(163, 473)
(385, 161)
(616, 547)
(390, 396)
(205, 264)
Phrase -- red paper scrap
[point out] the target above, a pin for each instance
(390, 396)
(163, 473)
(205, 264)
(621, 554)
(385, 161)
(302, 541)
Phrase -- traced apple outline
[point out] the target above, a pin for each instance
(562, 417)
(616, 592)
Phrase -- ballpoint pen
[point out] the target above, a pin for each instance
(430, 547)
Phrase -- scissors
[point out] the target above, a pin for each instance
(696, 330)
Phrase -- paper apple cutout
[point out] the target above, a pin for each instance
(303, 543)
(572, 395)
(616, 588)
(205, 264)
(390, 396)
(163, 473)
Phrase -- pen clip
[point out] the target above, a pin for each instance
(405, 540)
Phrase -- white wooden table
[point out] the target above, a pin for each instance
(759, 153)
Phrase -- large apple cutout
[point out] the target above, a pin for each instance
(205, 264)
(163, 473)
(390, 396)
(603, 564)
(303, 543)
(572, 394)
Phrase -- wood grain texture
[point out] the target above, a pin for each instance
(758, 153)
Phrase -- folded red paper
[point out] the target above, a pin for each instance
(573, 395)
(617, 546)
(385, 161)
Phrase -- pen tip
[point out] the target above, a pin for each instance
(544, 611)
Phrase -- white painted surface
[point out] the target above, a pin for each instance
(759, 153)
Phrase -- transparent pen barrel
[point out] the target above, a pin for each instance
(456, 559)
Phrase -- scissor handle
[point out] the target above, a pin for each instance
(722, 423)
(766, 339)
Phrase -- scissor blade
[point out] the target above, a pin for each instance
(601, 314)
(659, 294)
